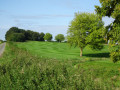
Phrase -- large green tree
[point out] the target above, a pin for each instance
(48, 37)
(16, 34)
(84, 29)
(9, 36)
(111, 8)
(17, 37)
(59, 37)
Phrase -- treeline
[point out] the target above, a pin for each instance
(20, 35)
(1, 41)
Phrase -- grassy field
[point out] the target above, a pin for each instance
(63, 51)
(27, 68)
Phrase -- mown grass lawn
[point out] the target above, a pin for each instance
(63, 51)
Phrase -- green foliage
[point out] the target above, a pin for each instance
(1, 41)
(59, 38)
(111, 8)
(10, 33)
(86, 29)
(20, 35)
(28, 35)
(34, 36)
(48, 37)
(17, 37)
(41, 38)
(21, 70)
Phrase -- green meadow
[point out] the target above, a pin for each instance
(57, 66)
(63, 51)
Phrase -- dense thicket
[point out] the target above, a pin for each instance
(21, 35)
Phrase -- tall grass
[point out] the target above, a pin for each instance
(21, 70)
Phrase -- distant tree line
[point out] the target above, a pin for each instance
(1, 41)
(20, 35)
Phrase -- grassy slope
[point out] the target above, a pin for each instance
(21, 70)
(62, 51)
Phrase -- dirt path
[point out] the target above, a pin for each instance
(2, 47)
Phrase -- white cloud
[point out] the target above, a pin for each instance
(40, 16)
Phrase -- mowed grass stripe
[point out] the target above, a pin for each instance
(62, 50)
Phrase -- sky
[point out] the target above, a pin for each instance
(48, 16)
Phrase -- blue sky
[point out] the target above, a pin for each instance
(51, 16)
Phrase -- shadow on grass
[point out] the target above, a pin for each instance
(99, 55)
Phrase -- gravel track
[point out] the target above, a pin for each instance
(2, 47)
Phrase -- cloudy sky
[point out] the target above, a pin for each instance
(51, 16)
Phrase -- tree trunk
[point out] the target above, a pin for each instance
(81, 51)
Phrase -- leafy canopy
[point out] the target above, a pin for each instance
(48, 37)
(84, 29)
(20, 35)
(111, 8)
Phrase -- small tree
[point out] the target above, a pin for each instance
(86, 29)
(59, 37)
(48, 37)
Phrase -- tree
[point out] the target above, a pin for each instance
(31, 35)
(11, 31)
(1, 41)
(28, 35)
(35, 36)
(59, 37)
(48, 37)
(17, 37)
(86, 29)
(41, 38)
(111, 8)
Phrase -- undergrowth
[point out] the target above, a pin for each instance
(21, 70)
